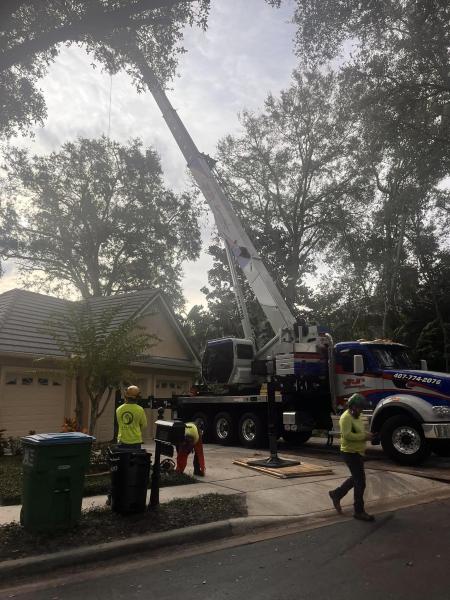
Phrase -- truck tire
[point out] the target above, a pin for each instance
(403, 440)
(223, 429)
(251, 430)
(203, 425)
(296, 438)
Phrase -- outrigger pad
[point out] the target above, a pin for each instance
(302, 470)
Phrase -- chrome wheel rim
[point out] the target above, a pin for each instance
(248, 430)
(406, 440)
(222, 429)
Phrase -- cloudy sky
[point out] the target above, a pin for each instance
(246, 52)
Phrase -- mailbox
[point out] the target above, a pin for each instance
(169, 432)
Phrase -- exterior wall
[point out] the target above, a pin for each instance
(159, 324)
(43, 407)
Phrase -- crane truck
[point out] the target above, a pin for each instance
(409, 408)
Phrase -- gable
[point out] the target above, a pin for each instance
(171, 344)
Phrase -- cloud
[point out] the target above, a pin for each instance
(246, 52)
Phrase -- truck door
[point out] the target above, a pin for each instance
(347, 383)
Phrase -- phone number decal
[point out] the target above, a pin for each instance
(417, 378)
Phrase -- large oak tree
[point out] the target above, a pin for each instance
(96, 217)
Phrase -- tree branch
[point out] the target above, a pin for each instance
(96, 22)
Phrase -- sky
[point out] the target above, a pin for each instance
(246, 52)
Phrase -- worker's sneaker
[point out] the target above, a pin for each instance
(199, 473)
(363, 516)
(336, 502)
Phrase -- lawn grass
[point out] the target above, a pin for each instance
(101, 525)
(95, 484)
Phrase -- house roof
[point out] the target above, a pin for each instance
(23, 315)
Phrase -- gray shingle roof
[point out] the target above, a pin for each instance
(23, 314)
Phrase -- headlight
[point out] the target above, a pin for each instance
(442, 411)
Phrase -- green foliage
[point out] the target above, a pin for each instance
(290, 175)
(99, 347)
(32, 34)
(96, 217)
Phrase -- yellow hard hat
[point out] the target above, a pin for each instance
(132, 391)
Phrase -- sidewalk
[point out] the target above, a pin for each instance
(269, 496)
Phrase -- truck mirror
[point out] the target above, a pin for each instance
(358, 364)
(423, 365)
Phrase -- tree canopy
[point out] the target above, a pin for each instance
(32, 33)
(98, 352)
(96, 217)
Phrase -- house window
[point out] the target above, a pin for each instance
(57, 382)
(42, 381)
(10, 379)
(27, 381)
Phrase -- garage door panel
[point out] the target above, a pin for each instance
(31, 407)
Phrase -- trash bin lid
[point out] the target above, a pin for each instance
(52, 439)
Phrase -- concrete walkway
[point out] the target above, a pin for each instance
(272, 497)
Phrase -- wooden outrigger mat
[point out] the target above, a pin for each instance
(301, 470)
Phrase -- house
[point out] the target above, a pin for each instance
(34, 395)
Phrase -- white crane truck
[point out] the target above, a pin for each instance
(409, 408)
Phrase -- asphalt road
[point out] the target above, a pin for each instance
(404, 555)
(435, 467)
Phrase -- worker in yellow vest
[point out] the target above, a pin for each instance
(131, 420)
(353, 447)
(192, 443)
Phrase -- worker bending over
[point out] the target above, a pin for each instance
(192, 442)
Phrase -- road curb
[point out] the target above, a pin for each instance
(206, 532)
(46, 562)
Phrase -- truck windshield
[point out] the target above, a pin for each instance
(392, 357)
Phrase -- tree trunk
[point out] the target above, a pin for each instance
(93, 415)
(390, 292)
(78, 403)
(443, 327)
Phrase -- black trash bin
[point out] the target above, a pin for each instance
(130, 470)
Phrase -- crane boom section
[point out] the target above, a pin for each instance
(228, 224)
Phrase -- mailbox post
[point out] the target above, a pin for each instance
(168, 434)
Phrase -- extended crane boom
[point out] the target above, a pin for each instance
(229, 227)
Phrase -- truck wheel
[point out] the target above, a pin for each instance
(251, 430)
(223, 429)
(403, 440)
(441, 448)
(296, 438)
(202, 422)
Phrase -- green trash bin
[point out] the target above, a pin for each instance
(54, 465)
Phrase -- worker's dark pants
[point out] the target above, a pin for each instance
(357, 481)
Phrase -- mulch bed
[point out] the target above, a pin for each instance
(96, 483)
(101, 525)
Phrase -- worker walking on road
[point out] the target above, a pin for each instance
(192, 442)
(353, 446)
(131, 420)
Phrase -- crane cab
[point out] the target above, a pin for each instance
(228, 362)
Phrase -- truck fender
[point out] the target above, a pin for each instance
(417, 408)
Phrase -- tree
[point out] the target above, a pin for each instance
(32, 33)
(96, 217)
(97, 352)
(290, 174)
(398, 67)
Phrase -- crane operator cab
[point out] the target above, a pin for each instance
(228, 362)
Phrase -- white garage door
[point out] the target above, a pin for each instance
(30, 401)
